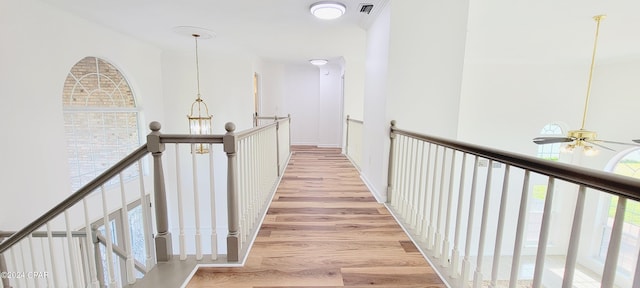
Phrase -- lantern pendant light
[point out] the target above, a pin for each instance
(199, 118)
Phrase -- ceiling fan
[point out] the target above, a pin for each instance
(583, 138)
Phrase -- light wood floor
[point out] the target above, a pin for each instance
(324, 229)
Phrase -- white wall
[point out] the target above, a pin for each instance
(375, 129)
(331, 106)
(423, 59)
(36, 57)
(426, 53)
(313, 97)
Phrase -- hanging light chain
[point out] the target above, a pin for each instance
(196, 36)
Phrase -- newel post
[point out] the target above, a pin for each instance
(346, 144)
(164, 249)
(233, 239)
(277, 145)
(390, 172)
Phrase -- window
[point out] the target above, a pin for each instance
(627, 164)
(550, 151)
(539, 190)
(100, 119)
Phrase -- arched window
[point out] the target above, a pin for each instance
(100, 119)
(539, 187)
(550, 151)
(626, 163)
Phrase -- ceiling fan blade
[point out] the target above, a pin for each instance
(550, 140)
(619, 143)
(599, 145)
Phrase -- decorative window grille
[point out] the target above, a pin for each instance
(539, 190)
(100, 119)
(550, 151)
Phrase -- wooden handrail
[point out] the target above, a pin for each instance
(75, 197)
(607, 182)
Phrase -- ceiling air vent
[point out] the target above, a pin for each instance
(366, 8)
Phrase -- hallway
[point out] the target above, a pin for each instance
(324, 228)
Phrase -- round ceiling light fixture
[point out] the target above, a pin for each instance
(327, 10)
(318, 62)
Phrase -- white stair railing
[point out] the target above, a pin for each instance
(74, 253)
(441, 189)
(353, 142)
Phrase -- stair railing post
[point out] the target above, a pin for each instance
(3, 268)
(390, 172)
(346, 144)
(277, 144)
(164, 249)
(97, 256)
(233, 238)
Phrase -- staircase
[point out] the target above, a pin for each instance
(210, 221)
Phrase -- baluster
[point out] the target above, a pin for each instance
(447, 226)
(425, 211)
(499, 233)
(432, 211)
(611, 263)
(24, 261)
(196, 202)
(48, 280)
(212, 187)
(438, 241)
(244, 179)
(54, 272)
(636, 277)
(72, 261)
(230, 146)
(405, 167)
(455, 254)
(544, 235)
(181, 236)
(415, 189)
(88, 240)
(406, 209)
(66, 266)
(421, 194)
(415, 224)
(477, 276)
(574, 240)
(107, 229)
(145, 219)
(4, 282)
(466, 262)
(34, 267)
(13, 264)
(522, 215)
(126, 234)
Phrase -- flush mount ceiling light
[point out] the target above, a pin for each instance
(327, 10)
(318, 62)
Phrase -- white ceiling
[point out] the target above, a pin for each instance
(281, 30)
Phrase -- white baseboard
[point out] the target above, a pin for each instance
(381, 198)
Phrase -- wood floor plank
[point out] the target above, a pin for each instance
(325, 229)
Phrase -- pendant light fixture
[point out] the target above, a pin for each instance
(199, 117)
